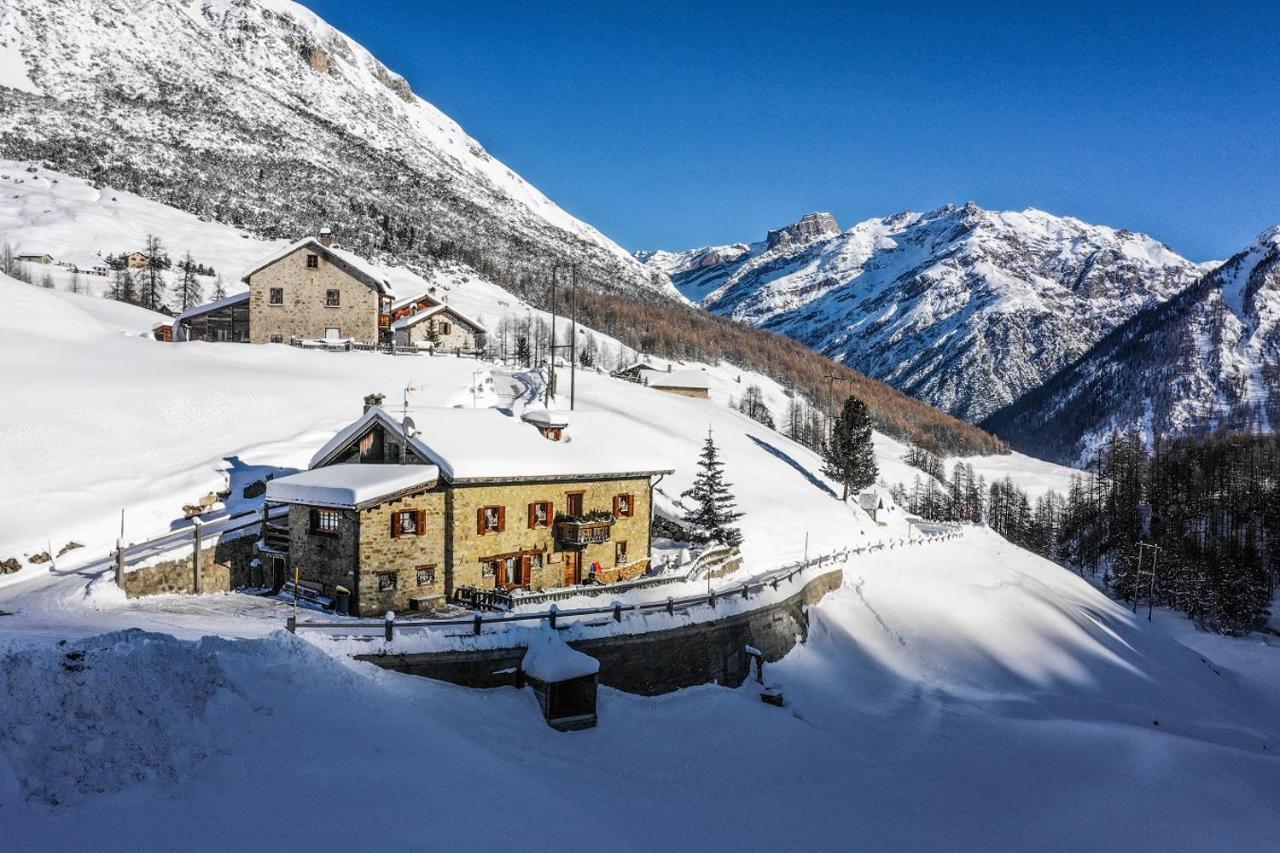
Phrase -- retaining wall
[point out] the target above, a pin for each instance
(224, 566)
(649, 663)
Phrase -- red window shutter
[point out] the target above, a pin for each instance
(502, 518)
(422, 522)
(533, 516)
(631, 504)
(480, 520)
(395, 525)
(615, 504)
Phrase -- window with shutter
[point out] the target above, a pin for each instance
(492, 519)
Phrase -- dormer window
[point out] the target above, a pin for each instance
(313, 262)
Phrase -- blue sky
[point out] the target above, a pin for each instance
(671, 125)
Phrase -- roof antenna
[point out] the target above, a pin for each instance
(406, 424)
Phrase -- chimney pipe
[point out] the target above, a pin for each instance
(372, 400)
(326, 236)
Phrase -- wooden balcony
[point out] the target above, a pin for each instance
(581, 532)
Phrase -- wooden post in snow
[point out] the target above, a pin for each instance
(196, 539)
(120, 562)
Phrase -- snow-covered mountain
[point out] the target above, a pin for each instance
(965, 308)
(1208, 358)
(258, 114)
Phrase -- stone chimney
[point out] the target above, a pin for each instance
(326, 236)
(371, 400)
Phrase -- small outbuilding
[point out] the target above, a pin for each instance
(565, 681)
(686, 383)
(872, 504)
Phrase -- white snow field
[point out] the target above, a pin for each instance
(963, 695)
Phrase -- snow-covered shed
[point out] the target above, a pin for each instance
(564, 680)
(872, 503)
(686, 383)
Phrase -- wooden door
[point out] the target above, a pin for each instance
(572, 568)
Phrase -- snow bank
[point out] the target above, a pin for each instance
(548, 658)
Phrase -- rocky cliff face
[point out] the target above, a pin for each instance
(965, 308)
(259, 114)
(1208, 358)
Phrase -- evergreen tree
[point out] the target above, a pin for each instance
(851, 458)
(152, 290)
(189, 289)
(523, 355)
(714, 509)
(123, 288)
(219, 289)
(433, 333)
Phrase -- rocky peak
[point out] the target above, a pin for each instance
(808, 228)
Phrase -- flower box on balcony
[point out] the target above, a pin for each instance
(580, 531)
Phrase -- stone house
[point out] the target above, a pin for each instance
(37, 258)
(452, 329)
(313, 290)
(402, 519)
(686, 383)
(137, 261)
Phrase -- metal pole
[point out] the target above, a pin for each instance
(1137, 574)
(573, 341)
(551, 376)
(197, 538)
(1151, 594)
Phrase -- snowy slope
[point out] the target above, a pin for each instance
(1209, 358)
(965, 308)
(258, 113)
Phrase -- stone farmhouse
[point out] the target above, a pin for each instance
(686, 383)
(416, 320)
(137, 260)
(390, 518)
(313, 290)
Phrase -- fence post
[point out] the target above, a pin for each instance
(744, 590)
(120, 550)
(291, 624)
(390, 624)
(671, 606)
(478, 623)
(551, 615)
(711, 599)
(617, 611)
(196, 539)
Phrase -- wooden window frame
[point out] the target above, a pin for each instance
(397, 522)
(570, 497)
(272, 293)
(482, 520)
(618, 500)
(445, 327)
(313, 261)
(619, 552)
(382, 581)
(333, 298)
(534, 524)
(429, 570)
(317, 527)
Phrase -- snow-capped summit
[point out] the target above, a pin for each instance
(259, 114)
(963, 307)
(1208, 358)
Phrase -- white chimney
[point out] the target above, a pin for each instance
(326, 236)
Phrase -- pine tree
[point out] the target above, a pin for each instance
(714, 508)
(123, 288)
(851, 457)
(433, 333)
(151, 293)
(523, 355)
(189, 289)
(75, 285)
(219, 289)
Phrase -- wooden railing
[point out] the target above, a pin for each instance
(615, 611)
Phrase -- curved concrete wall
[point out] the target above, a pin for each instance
(650, 663)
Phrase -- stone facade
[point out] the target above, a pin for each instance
(699, 393)
(452, 333)
(304, 312)
(382, 570)
(471, 550)
(397, 560)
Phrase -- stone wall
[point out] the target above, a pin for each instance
(304, 313)
(654, 662)
(405, 555)
(224, 566)
(699, 393)
(460, 335)
(329, 560)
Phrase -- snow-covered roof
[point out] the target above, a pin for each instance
(638, 365)
(362, 268)
(870, 500)
(678, 379)
(418, 297)
(435, 311)
(486, 445)
(546, 418)
(350, 485)
(549, 658)
(197, 310)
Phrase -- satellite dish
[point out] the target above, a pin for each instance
(410, 428)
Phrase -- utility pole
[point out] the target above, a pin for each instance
(831, 404)
(573, 341)
(551, 376)
(1151, 588)
(1137, 576)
